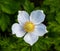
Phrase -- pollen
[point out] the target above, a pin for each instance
(29, 27)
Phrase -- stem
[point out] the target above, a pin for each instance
(30, 48)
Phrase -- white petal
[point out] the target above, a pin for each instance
(42, 11)
(37, 16)
(18, 30)
(30, 38)
(23, 16)
(40, 30)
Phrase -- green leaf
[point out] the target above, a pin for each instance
(58, 17)
(9, 6)
(28, 6)
(4, 22)
(25, 49)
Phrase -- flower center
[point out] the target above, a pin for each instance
(29, 26)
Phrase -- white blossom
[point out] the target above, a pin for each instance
(32, 24)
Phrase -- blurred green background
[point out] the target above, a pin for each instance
(8, 16)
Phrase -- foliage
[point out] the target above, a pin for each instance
(8, 16)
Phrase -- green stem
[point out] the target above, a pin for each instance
(30, 48)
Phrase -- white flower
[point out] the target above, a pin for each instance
(31, 27)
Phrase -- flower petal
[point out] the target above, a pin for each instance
(30, 38)
(37, 16)
(40, 30)
(23, 16)
(18, 30)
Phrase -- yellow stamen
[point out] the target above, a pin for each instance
(29, 26)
